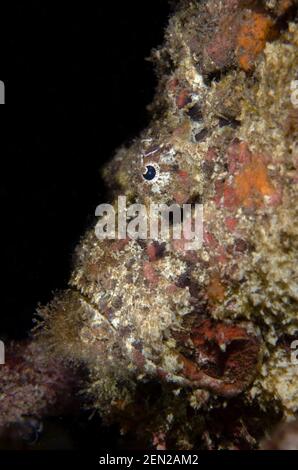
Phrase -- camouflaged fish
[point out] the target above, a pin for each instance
(192, 348)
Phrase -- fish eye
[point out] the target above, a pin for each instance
(152, 172)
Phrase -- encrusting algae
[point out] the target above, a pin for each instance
(193, 348)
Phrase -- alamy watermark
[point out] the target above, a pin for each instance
(294, 93)
(158, 222)
(2, 353)
(294, 352)
(2, 92)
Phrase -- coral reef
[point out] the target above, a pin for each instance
(192, 348)
(32, 384)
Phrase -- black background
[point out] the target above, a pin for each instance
(77, 87)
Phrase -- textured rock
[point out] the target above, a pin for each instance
(32, 384)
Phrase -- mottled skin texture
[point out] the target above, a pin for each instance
(190, 342)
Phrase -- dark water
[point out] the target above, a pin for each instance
(77, 86)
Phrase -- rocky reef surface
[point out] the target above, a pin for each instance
(191, 348)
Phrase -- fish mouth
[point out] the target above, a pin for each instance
(223, 358)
